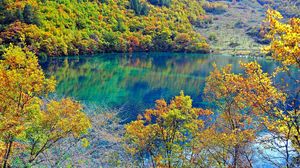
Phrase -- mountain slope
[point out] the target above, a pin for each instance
(68, 27)
(237, 29)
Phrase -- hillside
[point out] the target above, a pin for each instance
(69, 27)
(76, 27)
(236, 29)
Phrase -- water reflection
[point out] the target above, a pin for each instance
(135, 81)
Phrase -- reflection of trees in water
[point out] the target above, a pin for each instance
(134, 80)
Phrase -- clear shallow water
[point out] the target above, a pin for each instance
(135, 81)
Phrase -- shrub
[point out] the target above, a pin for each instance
(212, 37)
(202, 21)
(240, 24)
(255, 33)
(215, 7)
(233, 44)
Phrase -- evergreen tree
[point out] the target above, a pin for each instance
(28, 14)
(166, 3)
(139, 8)
(20, 15)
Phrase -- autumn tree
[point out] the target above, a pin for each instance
(255, 102)
(250, 104)
(21, 84)
(284, 38)
(285, 48)
(167, 134)
(28, 123)
(59, 119)
(242, 99)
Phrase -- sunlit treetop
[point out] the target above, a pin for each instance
(167, 131)
(285, 38)
(21, 82)
(253, 89)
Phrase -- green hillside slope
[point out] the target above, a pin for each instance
(68, 27)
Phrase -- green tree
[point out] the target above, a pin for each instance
(20, 14)
(29, 15)
(139, 7)
(161, 2)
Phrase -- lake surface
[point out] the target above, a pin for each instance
(132, 82)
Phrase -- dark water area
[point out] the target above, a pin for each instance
(132, 82)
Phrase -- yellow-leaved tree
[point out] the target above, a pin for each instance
(285, 48)
(285, 38)
(255, 101)
(29, 124)
(242, 100)
(168, 134)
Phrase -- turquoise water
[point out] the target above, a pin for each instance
(132, 82)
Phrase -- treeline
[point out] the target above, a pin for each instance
(72, 27)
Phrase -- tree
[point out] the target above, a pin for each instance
(168, 133)
(66, 28)
(60, 119)
(284, 38)
(28, 14)
(24, 116)
(284, 47)
(162, 40)
(19, 14)
(250, 104)
(21, 83)
(166, 3)
(139, 7)
(6, 16)
(242, 99)
(181, 42)
(256, 102)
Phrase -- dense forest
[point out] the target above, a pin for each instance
(251, 117)
(72, 27)
(80, 27)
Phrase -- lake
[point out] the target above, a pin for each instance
(132, 82)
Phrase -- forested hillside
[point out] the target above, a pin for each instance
(73, 27)
(69, 27)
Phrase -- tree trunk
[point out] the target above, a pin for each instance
(236, 157)
(7, 154)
